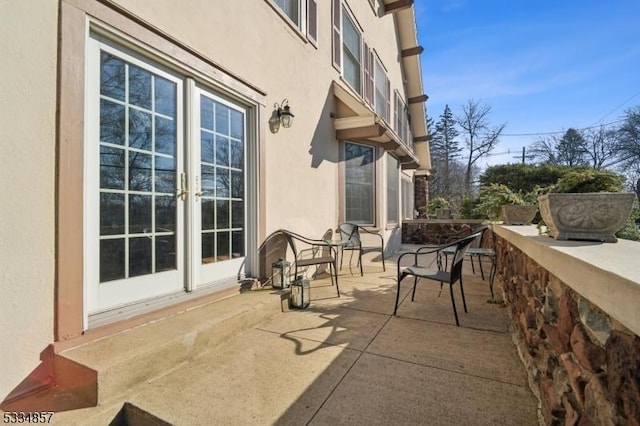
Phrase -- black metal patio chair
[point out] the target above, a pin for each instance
(317, 253)
(350, 232)
(479, 252)
(443, 276)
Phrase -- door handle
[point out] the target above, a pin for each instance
(198, 193)
(182, 192)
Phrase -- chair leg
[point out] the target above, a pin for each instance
(413, 293)
(341, 256)
(492, 274)
(360, 261)
(481, 271)
(473, 269)
(335, 270)
(464, 302)
(399, 279)
(453, 303)
(331, 272)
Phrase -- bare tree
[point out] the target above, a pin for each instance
(480, 136)
(600, 146)
(544, 149)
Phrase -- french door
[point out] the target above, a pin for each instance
(165, 173)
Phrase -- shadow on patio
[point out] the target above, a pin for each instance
(347, 360)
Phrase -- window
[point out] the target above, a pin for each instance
(407, 198)
(402, 120)
(382, 91)
(359, 183)
(351, 53)
(303, 14)
(291, 8)
(392, 189)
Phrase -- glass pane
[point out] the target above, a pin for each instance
(111, 260)
(351, 36)
(139, 214)
(208, 178)
(139, 171)
(237, 155)
(112, 76)
(222, 119)
(208, 243)
(222, 151)
(351, 70)
(206, 147)
(165, 253)
(165, 96)
(139, 87)
(223, 250)
(165, 136)
(111, 168)
(111, 214)
(237, 124)
(222, 182)
(237, 184)
(237, 244)
(139, 129)
(165, 174)
(237, 218)
(359, 183)
(206, 113)
(208, 210)
(165, 214)
(112, 128)
(222, 214)
(140, 256)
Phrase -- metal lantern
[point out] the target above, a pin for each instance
(300, 293)
(280, 273)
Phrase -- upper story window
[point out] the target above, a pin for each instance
(303, 14)
(402, 120)
(382, 95)
(351, 52)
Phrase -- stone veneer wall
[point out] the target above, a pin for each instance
(436, 231)
(583, 365)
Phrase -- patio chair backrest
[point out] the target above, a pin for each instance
(349, 231)
(461, 249)
(481, 231)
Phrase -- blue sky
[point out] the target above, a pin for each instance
(542, 66)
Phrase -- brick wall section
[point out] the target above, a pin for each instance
(583, 365)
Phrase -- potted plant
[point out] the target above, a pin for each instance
(497, 201)
(586, 205)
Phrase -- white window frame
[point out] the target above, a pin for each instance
(380, 97)
(402, 124)
(373, 184)
(347, 15)
(407, 194)
(393, 185)
(304, 16)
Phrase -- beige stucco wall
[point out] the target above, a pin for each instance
(254, 42)
(28, 37)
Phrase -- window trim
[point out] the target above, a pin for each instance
(346, 12)
(388, 162)
(374, 183)
(302, 29)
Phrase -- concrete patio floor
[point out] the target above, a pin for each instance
(343, 360)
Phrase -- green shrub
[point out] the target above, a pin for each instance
(589, 181)
(631, 230)
(436, 203)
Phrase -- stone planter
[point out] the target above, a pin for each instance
(443, 213)
(513, 214)
(595, 216)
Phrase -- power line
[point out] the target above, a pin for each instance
(616, 108)
(559, 131)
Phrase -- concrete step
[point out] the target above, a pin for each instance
(144, 353)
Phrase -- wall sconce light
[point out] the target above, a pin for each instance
(281, 115)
